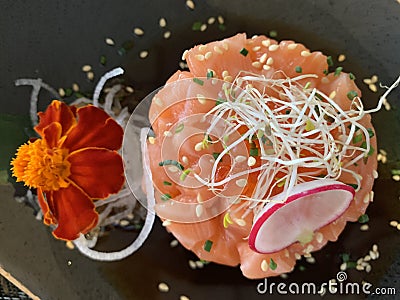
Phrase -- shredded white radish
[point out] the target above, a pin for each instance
(102, 81)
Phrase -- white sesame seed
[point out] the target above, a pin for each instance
(367, 80)
(183, 297)
(208, 55)
(343, 266)
(263, 58)
(110, 41)
(273, 48)
(198, 146)
(270, 61)
(201, 98)
(383, 152)
(360, 261)
(287, 254)
(199, 264)
(292, 46)
(202, 48)
(384, 159)
(341, 58)
(162, 22)
(375, 174)
(368, 268)
(167, 34)
(174, 243)
(199, 210)
(166, 223)
(228, 78)
(251, 161)
(332, 95)
(138, 31)
(396, 177)
(264, 265)
(199, 198)
(75, 87)
(225, 46)
(319, 237)
(199, 57)
(366, 198)
(309, 248)
(151, 140)
(167, 133)
(373, 87)
(284, 276)
(359, 267)
(90, 75)
(393, 223)
(256, 64)
(375, 247)
(61, 91)
(311, 260)
(203, 27)
(143, 54)
(240, 158)
(372, 254)
(86, 68)
(211, 20)
(173, 169)
(266, 43)
(192, 264)
(241, 182)
(221, 20)
(266, 67)
(163, 287)
(305, 53)
(374, 79)
(364, 227)
(184, 54)
(256, 48)
(124, 223)
(69, 245)
(367, 258)
(185, 160)
(129, 89)
(398, 226)
(190, 4)
(218, 50)
(297, 256)
(240, 222)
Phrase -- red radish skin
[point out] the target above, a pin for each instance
(312, 188)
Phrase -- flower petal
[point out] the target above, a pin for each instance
(95, 128)
(47, 216)
(74, 212)
(59, 112)
(99, 172)
(52, 134)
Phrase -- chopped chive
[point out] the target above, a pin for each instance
(219, 101)
(338, 71)
(370, 132)
(210, 74)
(207, 245)
(184, 174)
(371, 149)
(287, 111)
(196, 26)
(165, 197)
(395, 172)
(351, 264)
(167, 183)
(244, 51)
(298, 69)
(353, 185)
(356, 128)
(103, 60)
(126, 46)
(357, 138)
(345, 257)
(198, 81)
(179, 128)
(329, 60)
(68, 92)
(351, 95)
(171, 162)
(363, 219)
(351, 76)
(215, 155)
(273, 33)
(222, 27)
(78, 95)
(253, 152)
(272, 264)
(302, 268)
(326, 72)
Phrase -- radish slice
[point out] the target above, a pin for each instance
(310, 206)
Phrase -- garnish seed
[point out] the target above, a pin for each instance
(256, 64)
(163, 287)
(199, 210)
(199, 57)
(240, 222)
(162, 22)
(305, 53)
(292, 46)
(341, 58)
(110, 41)
(256, 48)
(263, 58)
(167, 34)
(332, 95)
(221, 20)
(218, 50)
(393, 223)
(90, 75)
(367, 81)
(364, 227)
(183, 297)
(373, 87)
(264, 265)
(129, 89)
(266, 43)
(270, 61)
(184, 54)
(190, 4)
(143, 54)
(319, 237)
(166, 223)
(208, 55)
(75, 87)
(251, 161)
(273, 48)
(86, 68)
(203, 27)
(240, 158)
(138, 31)
(152, 140)
(241, 182)
(61, 91)
(174, 243)
(211, 20)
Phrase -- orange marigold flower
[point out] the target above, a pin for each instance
(74, 163)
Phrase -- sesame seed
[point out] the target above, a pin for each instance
(264, 265)
(225, 46)
(287, 254)
(240, 222)
(375, 247)
(163, 287)
(90, 75)
(69, 245)
(218, 50)
(270, 61)
(305, 53)
(251, 161)
(332, 95)
(263, 58)
(359, 267)
(266, 43)
(184, 54)
(375, 174)
(241, 182)
(325, 80)
(138, 31)
(192, 264)
(371, 196)
(143, 54)
(124, 223)
(203, 27)
(185, 160)
(309, 248)
(221, 20)
(297, 256)
(202, 48)
(373, 255)
(341, 58)
(199, 57)
(373, 87)
(396, 177)
(61, 91)
(343, 266)
(190, 4)
(383, 152)
(266, 67)
(129, 89)
(398, 226)
(86, 68)
(201, 98)
(110, 41)
(393, 223)
(364, 227)
(311, 260)
(228, 78)
(256, 48)
(167, 133)
(367, 81)
(256, 64)
(368, 268)
(183, 297)
(240, 158)
(292, 46)
(374, 79)
(167, 34)
(367, 258)
(75, 87)
(225, 73)
(199, 210)
(384, 159)
(174, 243)
(151, 140)
(162, 22)
(198, 147)
(211, 20)
(273, 48)
(284, 276)
(366, 198)
(199, 198)
(208, 55)
(319, 237)
(166, 223)
(199, 264)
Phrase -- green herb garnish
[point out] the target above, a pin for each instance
(196, 26)
(244, 51)
(272, 264)
(219, 101)
(351, 95)
(298, 69)
(184, 174)
(370, 132)
(353, 185)
(326, 72)
(273, 33)
(167, 183)
(103, 60)
(345, 257)
(338, 71)
(329, 60)
(210, 74)
(68, 92)
(351, 76)
(170, 162)
(253, 152)
(207, 245)
(357, 138)
(165, 197)
(215, 155)
(198, 81)
(363, 219)
(179, 128)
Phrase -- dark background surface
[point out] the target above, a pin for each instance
(53, 39)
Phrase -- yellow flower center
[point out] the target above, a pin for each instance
(40, 166)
